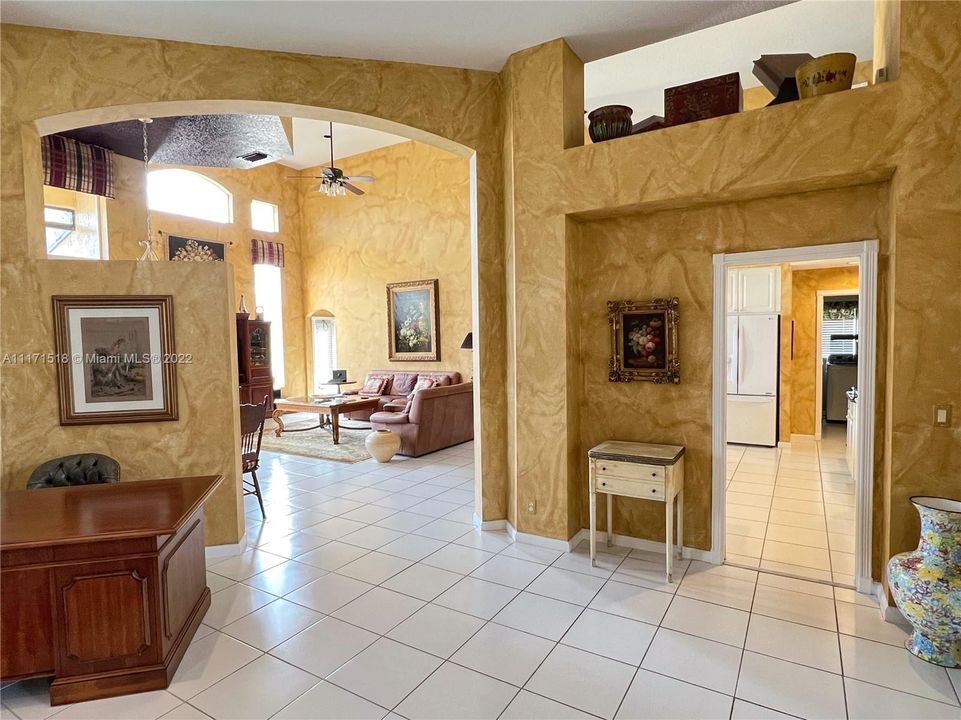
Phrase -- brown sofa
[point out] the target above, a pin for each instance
(399, 385)
(439, 417)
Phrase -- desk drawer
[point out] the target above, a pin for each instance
(630, 471)
(621, 486)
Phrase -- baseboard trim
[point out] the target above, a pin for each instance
(222, 552)
(489, 524)
(784, 443)
(688, 553)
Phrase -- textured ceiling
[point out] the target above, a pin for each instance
(198, 140)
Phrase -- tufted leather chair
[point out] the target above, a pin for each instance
(81, 469)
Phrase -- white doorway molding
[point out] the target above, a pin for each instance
(867, 254)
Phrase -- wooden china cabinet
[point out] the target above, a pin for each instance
(253, 362)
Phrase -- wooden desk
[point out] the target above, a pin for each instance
(644, 471)
(103, 585)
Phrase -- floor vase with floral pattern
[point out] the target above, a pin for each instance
(926, 583)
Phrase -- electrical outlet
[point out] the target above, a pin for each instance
(942, 415)
(532, 506)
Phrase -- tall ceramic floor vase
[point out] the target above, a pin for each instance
(926, 583)
(382, 444)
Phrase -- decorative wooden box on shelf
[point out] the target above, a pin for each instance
(639, 470)
(253, 361)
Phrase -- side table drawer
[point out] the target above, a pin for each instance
(633, 488)
(630, 471)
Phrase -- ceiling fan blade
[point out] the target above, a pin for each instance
(360, 178)
(304, 177)
(354, 189)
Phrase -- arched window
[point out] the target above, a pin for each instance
(183, 192)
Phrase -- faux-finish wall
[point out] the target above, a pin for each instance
(412, 223)
(669, 253)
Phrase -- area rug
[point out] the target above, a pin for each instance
(315, 443)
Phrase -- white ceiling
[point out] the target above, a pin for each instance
(470, 34)
(638, 77)
(311, 148)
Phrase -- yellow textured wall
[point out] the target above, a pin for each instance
(51, 82)
(806, 366)
(413, 223)
(904, 131)
(669, 253)
(195, 444)
(126, 221)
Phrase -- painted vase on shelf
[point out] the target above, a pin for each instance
(382, 445)
(926, 583)
(609, 122)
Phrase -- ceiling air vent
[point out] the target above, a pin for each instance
(255, 156)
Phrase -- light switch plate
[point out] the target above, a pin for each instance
(942, 415)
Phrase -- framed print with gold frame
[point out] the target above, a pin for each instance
(413, 327)
(644, 340)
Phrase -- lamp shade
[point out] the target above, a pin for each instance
(468, 343)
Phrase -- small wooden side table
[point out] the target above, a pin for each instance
(638, 470)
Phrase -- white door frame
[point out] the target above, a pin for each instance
(867, 253)
(819, 380)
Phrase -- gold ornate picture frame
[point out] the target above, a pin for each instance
(644, 340)
(413, 321)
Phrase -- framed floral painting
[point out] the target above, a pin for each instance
(413, 329)
(644, 340)
(116, 360)
(184, 249)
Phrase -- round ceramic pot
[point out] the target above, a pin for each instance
(382, 444)
(609, 122)
(926, 583)
(826, 74)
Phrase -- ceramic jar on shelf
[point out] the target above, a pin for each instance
(926, 583)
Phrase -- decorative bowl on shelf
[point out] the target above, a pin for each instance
(826, 74)
(609, 122)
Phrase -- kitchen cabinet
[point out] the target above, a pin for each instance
(754, 290)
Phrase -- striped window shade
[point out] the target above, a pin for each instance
(74, 165)
(265, 252)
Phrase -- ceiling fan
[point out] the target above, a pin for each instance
(333, 181)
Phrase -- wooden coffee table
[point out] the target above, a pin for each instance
(328, 410)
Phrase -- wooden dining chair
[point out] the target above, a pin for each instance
(252, 418)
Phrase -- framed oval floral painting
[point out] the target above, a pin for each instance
(413, 328)
(644, 340)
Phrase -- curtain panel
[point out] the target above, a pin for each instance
(74, 165)
(265, 252)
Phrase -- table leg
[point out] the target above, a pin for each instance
(335, 426)
(592, 499)
(610, 519)
(669, 539)
(680, 524)
(280, 423)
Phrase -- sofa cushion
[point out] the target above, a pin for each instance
(440, 379)
(423, 383)
(374, 386)
(403, 383)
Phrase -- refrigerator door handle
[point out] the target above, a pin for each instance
(740, 357)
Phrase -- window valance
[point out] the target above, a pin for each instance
(74, 165)
(265, 252)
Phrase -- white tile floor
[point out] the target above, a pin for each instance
(791, 510)
(369, 594)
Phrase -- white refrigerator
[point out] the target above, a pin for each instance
(752, 379)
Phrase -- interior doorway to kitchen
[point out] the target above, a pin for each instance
(793, 334)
